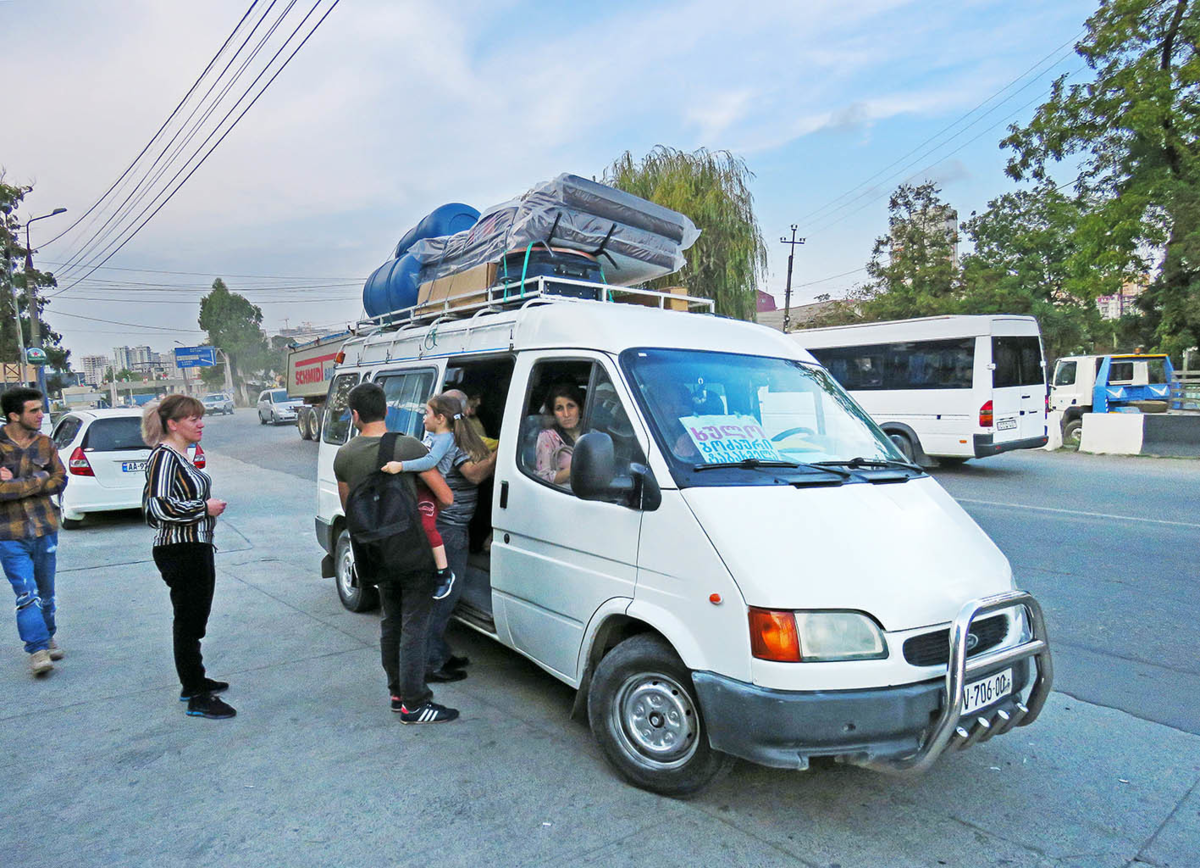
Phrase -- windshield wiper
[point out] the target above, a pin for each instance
(856, 463)
(755, 463)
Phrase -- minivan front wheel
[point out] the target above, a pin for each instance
(643, 712)
(354, 595)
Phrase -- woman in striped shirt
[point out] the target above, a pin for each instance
(177, 503)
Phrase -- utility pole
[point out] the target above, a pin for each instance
(35, 329)
(787, 295)
(16, 317)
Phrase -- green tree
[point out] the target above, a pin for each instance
(1133, 130)
(912, 269)
(1027, 260)
(235, 326)
(712, 188)
(13, 274)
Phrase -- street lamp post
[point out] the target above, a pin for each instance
(35, 329)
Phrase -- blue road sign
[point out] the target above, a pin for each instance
(195, 357)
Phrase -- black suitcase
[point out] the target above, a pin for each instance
(560, 264)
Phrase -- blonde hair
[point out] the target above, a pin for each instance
(464, 435)
(158, 413)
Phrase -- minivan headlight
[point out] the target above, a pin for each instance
(828, 636)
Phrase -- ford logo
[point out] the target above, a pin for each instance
(972, 641)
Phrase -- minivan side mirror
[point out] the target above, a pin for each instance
(594, 476)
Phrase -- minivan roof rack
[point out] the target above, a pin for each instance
(543, 289)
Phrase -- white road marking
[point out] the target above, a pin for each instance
(1079, 512)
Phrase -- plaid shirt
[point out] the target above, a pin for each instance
(26, 508)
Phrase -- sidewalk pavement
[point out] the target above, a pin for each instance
(104, 768)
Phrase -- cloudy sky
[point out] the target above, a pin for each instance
(393, 108)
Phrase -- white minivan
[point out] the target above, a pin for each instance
(945, 387)
(741, 564)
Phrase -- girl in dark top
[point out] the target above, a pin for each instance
(178, 504)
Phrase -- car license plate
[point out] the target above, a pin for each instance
(133, 466)
(1008, 423)
(977, 694)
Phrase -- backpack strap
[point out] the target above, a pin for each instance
(387, 449)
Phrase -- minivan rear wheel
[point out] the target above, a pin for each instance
(355, 596)
(643, 712)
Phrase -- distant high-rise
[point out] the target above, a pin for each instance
(94, 368)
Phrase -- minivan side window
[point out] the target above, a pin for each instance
(581, 390)
(336, 427)
(406, 393)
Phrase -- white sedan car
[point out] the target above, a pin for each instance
(105, 459)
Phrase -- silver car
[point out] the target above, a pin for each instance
(276, 407)
(217, 403)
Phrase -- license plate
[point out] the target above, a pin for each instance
(133, 466)
(1008, 423)
(977, 694)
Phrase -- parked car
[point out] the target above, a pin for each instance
(217, 403)
(276, 407)
(105, 458)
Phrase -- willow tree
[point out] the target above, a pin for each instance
(713, 189)
(1134, 132)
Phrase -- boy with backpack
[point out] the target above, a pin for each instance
(390, 548)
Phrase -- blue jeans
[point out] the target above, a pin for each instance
(29, 565)
(454, 538)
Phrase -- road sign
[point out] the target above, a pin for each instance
(35, 356)
(195, 357)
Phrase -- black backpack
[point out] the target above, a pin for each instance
(385, 525)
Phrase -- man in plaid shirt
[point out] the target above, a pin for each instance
(30, 475)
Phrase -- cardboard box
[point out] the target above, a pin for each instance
(456, 290)
(679, 303)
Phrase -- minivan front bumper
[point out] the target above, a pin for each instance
(893, 729)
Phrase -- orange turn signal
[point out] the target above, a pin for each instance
(773, 636)
(339, 358)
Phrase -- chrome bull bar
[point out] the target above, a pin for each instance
(947, 731)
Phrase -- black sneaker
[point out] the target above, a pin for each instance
(456, 662)
(444, 675)
(207, 705)
(430, 712)
(210, 686)
(446, 578)
(397, 704)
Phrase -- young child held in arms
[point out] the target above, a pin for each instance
(448, 436)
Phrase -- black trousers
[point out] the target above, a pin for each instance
(403, 635)
(190, 573)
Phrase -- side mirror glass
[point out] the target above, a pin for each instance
(594, 476)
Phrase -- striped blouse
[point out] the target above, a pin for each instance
(174, 499)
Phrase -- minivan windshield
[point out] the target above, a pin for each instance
(753, 414)
(279, 396)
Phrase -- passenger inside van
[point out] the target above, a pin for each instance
(556, 443)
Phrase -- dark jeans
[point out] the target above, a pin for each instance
(403, 634)
(189, 572)
(455, 539)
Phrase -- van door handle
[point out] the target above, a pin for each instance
(504, 494)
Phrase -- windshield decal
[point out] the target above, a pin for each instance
(720, 439)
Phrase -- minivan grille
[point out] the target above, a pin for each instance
(933, 649)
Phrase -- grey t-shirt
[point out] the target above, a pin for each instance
(359, 458)
(466, 493)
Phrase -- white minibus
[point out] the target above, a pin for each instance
(740, 564)
(944, 387)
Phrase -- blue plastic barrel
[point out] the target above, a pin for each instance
(446, 220)
(375, 300)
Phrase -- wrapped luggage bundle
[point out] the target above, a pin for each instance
(569, 220)
(642, 240)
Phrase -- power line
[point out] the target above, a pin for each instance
(947, 128)
(175, 111)
(117, 215)
(212, 273)
(118, 322)
(288, 60)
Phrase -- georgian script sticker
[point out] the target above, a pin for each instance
(721, 439)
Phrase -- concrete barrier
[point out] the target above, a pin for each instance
(1053, 430)
(1160, 434)
(1112, 433)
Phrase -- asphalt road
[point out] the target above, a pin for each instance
(1107, 545)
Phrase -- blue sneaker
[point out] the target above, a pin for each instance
(447, 583)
